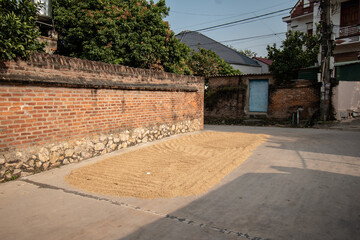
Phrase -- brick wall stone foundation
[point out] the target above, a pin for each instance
(27, 161)
(55, 110)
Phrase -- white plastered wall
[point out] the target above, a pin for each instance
(346, 98)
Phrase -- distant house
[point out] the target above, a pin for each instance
(46, 25)
(264, 63)
(345, 18)
(305, 16)
(237, 60)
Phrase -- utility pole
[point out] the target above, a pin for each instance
(326, 58)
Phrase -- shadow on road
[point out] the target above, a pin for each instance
(292, 203)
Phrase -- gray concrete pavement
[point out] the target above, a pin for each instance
(351, 124)
(300, 184)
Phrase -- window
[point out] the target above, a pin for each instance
(306, 3)
(349, 13)
(309, 28)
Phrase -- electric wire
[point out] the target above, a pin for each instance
(233, 16)
(241, 20)
(246, 22)
(241, 39)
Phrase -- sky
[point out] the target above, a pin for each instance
(198, 14)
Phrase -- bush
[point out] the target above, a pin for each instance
(18, 30)
(128, 32)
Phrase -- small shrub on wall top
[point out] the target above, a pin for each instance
(207, 63)
(18, 30)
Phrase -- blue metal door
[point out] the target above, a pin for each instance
(258, 99)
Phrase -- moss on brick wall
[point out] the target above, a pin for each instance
(226, 94)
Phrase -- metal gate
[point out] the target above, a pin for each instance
(259, 92)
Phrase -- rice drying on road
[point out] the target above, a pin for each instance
(183, 166)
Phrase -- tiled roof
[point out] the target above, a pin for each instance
(196, 39)
(264, 60)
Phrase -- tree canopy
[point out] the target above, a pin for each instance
(18, 30)
(297, 51)
(207, 63)
(128, 32)
(131, 33)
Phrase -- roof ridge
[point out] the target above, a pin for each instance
(234, 51)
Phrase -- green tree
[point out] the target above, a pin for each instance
(128, 32)
(207, 63)
(18, 30)
(297, 51)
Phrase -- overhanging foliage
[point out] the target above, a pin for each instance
(18, 30)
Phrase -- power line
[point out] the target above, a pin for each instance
(202, 14)
(248, 38)
(241, 39)
(232, 15)
(222, 15)
(259, 36)
(246, 22)
(241, 20)
(263, 44)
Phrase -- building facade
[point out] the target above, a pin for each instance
(345, 18)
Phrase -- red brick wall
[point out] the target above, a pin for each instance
(285, 100)
(223, 81)
(226, 104)
(54, 98)
(233, 102)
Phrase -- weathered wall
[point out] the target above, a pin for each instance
(226, 103)
(231, 98)
(225, 97)
(285, 100)
(229, 95)
(55, 110)
(346, 99)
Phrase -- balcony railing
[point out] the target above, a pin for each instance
(349, 31)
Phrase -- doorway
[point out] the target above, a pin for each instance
(258, 95)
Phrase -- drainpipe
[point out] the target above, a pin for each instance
(298, 115)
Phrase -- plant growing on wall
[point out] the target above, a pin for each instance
(127, 32)
(207, 63)
(297, 51)
(248, 53)
(18, 30)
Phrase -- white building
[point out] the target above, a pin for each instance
(305, 17)
(345, 18)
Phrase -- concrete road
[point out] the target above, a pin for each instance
(300, 184)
